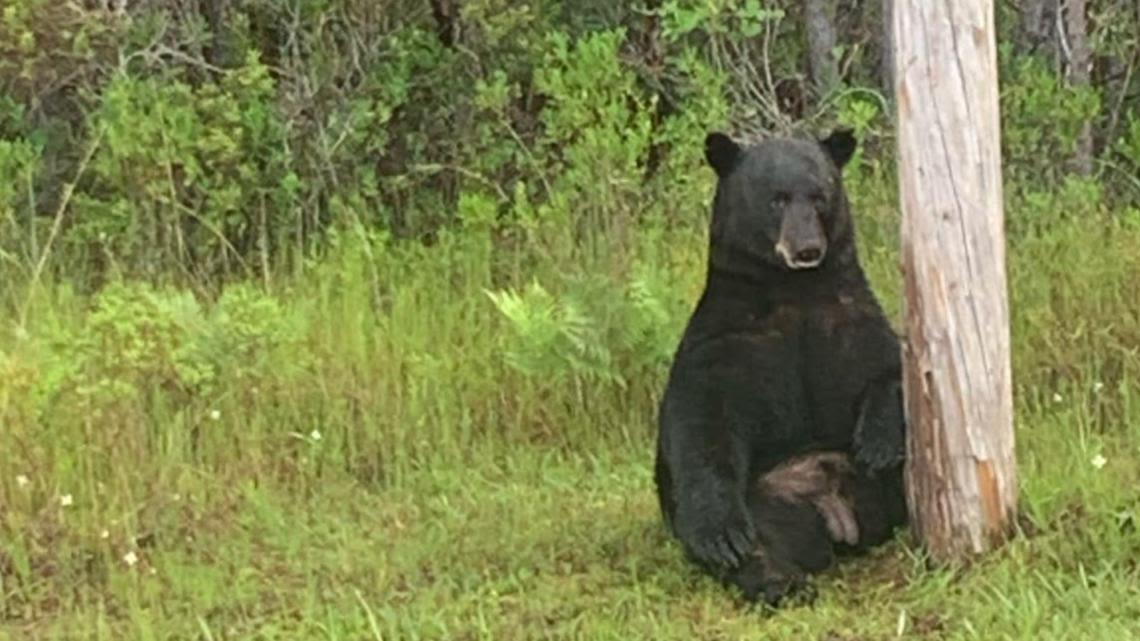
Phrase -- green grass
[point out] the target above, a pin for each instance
(372, 450)
(538, 545)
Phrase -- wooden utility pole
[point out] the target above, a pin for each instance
(961, 472)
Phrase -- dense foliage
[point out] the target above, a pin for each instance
(212, 138)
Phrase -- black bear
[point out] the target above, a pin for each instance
(781, 431)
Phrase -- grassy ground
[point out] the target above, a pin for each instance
(539, 545)
(375, 451)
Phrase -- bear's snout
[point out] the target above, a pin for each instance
(808, 257)
(802, 244)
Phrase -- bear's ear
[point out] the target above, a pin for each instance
(840, 146)
(721, 152)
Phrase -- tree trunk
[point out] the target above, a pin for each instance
(446, 15)
(1079, 73)
(1037, 26)
(961, 472)
(819, 20)
(218, 51)
(887, 60)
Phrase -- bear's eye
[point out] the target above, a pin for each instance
(818, 200)
(779, 200)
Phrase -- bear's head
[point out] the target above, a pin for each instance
(780, 203)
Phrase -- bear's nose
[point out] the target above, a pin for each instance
(808, 256)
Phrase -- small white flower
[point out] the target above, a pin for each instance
(130, 558)
(1098, 386)
(176, 497)
(1057, 398)
(1098, 461)
(315, 435)
(22, 481)
(105, 534)
(66, 500)
(215, 415)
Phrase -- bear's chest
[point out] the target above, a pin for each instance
(825, 329)
(810, 365)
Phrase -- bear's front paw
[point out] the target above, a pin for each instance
(719, 542)
(879, 451)
(880, 430)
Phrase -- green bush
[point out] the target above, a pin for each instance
(1042, 117)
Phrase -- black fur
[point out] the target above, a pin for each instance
(776, 362)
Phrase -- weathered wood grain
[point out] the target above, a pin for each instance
(961, 471)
